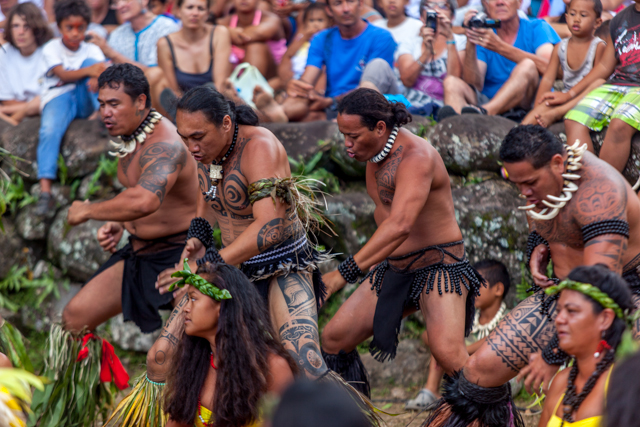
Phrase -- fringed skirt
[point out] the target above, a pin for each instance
(400, 281)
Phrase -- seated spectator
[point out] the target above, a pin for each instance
(135, 42)
(5, 8)
(622, 407)
(614, 104)
(581, 50)
(21, 63)
(69, 90)
(401, 27)
(502, 67)
(557, 17)
(257, 37)
(45, 7)
(294, 61)
(159, 7)
(103, 14)
(490, 310)
(369, 14)
(227, 360)
(592, 315)
(198, 53)
(350, 52)
(425, 61)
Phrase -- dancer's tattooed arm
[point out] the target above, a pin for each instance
(166, 344)
(159, 163)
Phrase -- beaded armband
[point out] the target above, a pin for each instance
(608, 226)
(201, 230)
(552, 354)
(211, 255)
(350, 270)
(534, 241)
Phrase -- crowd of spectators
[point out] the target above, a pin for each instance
(439, 57)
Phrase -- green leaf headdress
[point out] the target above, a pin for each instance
(628, 344)
(189, 278)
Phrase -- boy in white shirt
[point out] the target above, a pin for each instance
(70, 89)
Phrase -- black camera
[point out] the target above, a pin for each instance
(481, 20)
(431, 20)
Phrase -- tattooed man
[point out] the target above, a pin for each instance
(581, 211)
(156, 208)
(245, 186)
(417, 250)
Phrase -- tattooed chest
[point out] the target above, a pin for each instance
(386, 177)
(232, 198)
(560, 230)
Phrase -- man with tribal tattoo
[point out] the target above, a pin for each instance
(417, 243)
(581, 211)
(155, 208)
(245, 186)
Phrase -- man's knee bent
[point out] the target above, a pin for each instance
(450, 358)
(154, 75)
(72, 317)
(527, 68)
(453, 84)
(332, 340)
(617, 130)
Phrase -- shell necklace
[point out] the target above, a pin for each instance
(387, 148)
(128, 144)
(575, 153)
(215, 170)
(484, 330)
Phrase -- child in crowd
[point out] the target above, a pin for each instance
(572, 59)
(69, 91)
(257, 37)
(490, 310)
(159, 7)
(294, 61)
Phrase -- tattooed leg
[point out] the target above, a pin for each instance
(295, 317)
(160, 354)
(507, 349)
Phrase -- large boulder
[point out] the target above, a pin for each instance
(470, 142)
(408, 369)
(492, 225)
(82, 145)
(11, 247)
(631, 171)
(75, 249)
(351, 214)
(302, 140)
(129, 337)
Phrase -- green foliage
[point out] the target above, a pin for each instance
(107, 167)
(189, 278)
(14, 194)
(521, 288)
(63, 170)
(217, 235)
(311, 170)
(19, 288)
(6, 181)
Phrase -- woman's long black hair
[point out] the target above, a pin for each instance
(215, 106)
(244, 341)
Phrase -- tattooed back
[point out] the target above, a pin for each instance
(163, 166)
(413, 182)
(602, 194)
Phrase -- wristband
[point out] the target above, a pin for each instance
(211, 255)
(552, 354)
(451, 42)
(201, 230)
(350, 270)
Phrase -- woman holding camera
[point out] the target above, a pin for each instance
(424, 61)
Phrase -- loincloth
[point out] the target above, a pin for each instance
(399, 282)
(140, 298)
(289, 257)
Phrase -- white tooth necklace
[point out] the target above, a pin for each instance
(575, 153)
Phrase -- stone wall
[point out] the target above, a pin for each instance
(485, 204)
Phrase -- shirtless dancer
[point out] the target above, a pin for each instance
(597, 222)
(156, 209)
(261, 234)
(417, 250)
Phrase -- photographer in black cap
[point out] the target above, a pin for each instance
(499, 62)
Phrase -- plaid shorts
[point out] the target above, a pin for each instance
(605, 103)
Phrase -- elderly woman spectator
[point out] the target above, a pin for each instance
(592, 315)
(198, 53)
(21, 64)
(426, 59)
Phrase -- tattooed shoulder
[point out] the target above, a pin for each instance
(386, 176)
(158, 161)
(599, 197)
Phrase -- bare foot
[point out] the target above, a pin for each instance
(268, 106)
(8, 119)
(546, 119)
(230, 92)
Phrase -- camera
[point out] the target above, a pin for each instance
(481, 20)
(431, 20)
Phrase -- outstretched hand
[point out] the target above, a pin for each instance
(333, 282)
(193, 250)
(537, 374)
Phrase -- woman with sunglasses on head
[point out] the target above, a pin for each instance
(228, 358)
(426, 59)
(592, 316)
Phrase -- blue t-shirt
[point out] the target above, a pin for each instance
(345, 59)
(531, 35)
